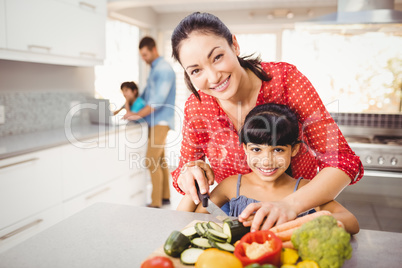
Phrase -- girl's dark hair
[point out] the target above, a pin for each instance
(131, 85)
(270, 124)
(210, 24)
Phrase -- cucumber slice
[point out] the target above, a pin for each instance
(199, 229)
(215, 226)
(201, 242)
(190, 256)
(190, 232)
(205, 225)
(216, 236)
(224, 246)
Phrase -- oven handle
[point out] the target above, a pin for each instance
(384, 174)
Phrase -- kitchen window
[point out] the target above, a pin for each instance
(358, 73)
(121, 62)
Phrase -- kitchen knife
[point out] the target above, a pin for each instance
(211, 207)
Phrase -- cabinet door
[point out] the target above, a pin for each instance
(90, 164)
(53, 27)
(29, 184)
(22, 230)
(2, 24)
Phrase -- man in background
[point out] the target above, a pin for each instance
(159, 95)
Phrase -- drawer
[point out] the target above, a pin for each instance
(26, 228)
(86, 167)
(29, 184)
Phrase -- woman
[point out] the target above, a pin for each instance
(229, 87)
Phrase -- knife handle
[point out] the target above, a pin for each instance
(203, 197)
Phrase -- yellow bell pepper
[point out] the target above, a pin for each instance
(289, 256)
(307, 264)
(215, 258)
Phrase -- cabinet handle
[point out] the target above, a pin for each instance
(97, 193)
(19, 163)
(39, 47)
(21, 229)
(136, 194)
(85, 4)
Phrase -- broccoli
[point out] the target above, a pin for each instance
(322, 241)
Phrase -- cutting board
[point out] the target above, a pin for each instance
(176, 261)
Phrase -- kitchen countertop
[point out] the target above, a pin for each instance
(108, 235)
(15, 145)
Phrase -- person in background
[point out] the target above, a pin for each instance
(159, 95)
(133, 102)
(270, 138)
(225, 87)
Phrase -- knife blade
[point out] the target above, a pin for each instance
(211, 207)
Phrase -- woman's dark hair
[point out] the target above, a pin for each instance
(271, 124)
(131, 85)
(210, 24)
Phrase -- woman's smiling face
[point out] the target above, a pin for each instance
(212, 64)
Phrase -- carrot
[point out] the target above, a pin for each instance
(286, 235)
(298, 221)
(287, 244)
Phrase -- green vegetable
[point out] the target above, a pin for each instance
(190, 256)
(234, 230)
(176, 243)
(322, 241)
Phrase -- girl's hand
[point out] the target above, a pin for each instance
(195, 171)
(131, 116)
(264, 215)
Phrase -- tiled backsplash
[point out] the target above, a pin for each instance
(27, 112)
(393, 121)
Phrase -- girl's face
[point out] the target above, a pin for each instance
(269, 162)
(211, 63)
(128, 94)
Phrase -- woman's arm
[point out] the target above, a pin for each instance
(328, 183)
(343, 215)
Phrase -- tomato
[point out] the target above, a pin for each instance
(215, 258)
(158, 262)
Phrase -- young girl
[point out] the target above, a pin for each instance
(270, 139)
(133, 102)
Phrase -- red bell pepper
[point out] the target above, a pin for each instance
(272, 256)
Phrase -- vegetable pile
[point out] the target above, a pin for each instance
(323, 241)
(313, 241)
(191, 242)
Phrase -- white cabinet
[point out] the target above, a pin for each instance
(39, 189)
(56, 31)
(2, 24)
(29, 184)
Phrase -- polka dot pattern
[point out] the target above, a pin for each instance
(209, 134)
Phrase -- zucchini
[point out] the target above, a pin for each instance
(215, 226)
(190, 256)
(234, 230)
(201, 242)
(224, 246)
(190, 232)
(205, 225)
(176, 243)
(199, 229)
(216, 236)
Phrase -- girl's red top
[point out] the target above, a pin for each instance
(208, 132)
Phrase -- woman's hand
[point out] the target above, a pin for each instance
(131, 116)
(195, 171)
(267, 214)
